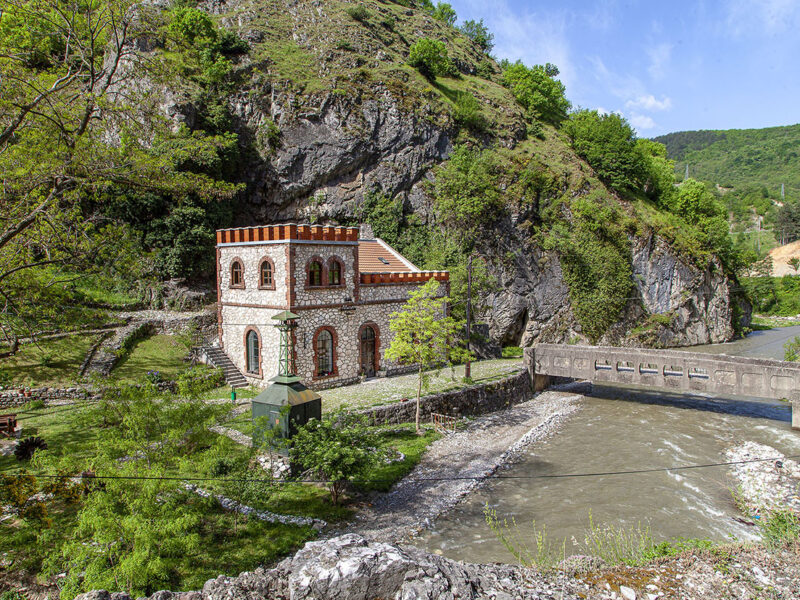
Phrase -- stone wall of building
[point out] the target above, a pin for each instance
(304, 253)
(251, 257)
(236, 321)
(346, 328)
(473, 400)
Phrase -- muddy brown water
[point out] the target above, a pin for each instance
(623, 429)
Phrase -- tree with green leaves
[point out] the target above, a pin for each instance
(74, 125)
(130, 528)
(431, 59)
(424, 335)
(339, 449)
(794, 262)
(444, 12)
(537, 90)
(608, 143)
(479, 33)
(466, 189)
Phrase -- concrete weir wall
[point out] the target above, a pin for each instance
(672, 370)
(473, 400)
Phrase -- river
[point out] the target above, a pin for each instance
(623, 429)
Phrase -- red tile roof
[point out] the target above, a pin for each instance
(375, 256)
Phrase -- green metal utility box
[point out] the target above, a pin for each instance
(287, 406)
(287, 403)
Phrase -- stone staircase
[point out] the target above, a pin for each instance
(217, 358)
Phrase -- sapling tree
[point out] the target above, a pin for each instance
(424, 335)
(339, 449)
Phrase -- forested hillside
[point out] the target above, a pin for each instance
(154, 124)
(748, 168)
(737, 158)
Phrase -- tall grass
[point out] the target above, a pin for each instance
(780, 528)
(614, 545)
(544, 553)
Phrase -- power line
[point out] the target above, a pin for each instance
(418, 479)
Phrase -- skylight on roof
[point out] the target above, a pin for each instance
(383, 260)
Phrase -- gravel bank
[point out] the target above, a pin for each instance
(458, 463)
(773, 482)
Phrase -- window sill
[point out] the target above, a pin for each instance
(236, 287)
(326, 376)
(267, 288)
(339, 286)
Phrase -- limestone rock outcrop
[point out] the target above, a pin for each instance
(351, 568)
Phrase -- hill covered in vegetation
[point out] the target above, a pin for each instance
(739, 158)
(748, 168)
(195, 116)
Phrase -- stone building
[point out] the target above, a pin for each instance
(343, 285)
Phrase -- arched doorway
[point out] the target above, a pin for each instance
(369, 348)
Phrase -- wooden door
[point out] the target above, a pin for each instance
(368, 351)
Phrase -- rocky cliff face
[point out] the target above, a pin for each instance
(362, 120)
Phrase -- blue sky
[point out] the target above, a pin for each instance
(666, 66)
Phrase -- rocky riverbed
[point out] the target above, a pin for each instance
(458, 463)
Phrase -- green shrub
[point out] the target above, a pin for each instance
(479, 33)
(222, 466)
(780, 528)
(358, 12)
(791, 350)
(468, 113)
(595, 260)
(466, 189)
(676, 546)
(608, 143)
(431, 59)
(389, 23)
(512, 352)
(537, 90)
(445, 13)
(344, 45)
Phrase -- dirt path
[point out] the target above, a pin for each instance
(457, 464)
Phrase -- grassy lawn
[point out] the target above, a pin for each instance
(162, 353)
(60, 427)
(381, 391)
(228, 542)
(50, 362)
(405, 440)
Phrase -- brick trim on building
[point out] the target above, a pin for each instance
(219, 300)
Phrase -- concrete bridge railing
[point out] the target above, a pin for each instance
(674, 370)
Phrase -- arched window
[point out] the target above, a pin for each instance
(324, 353)
(335, 272)
(266, 275)
(237, 273)
(315, 273)
(252, 352)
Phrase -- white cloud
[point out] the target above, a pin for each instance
(641, 122)
(649, 102)
(602, 111)
(660, 56)
(768, 16)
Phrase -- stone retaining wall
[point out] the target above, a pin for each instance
(473, 400)
(16, 399)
